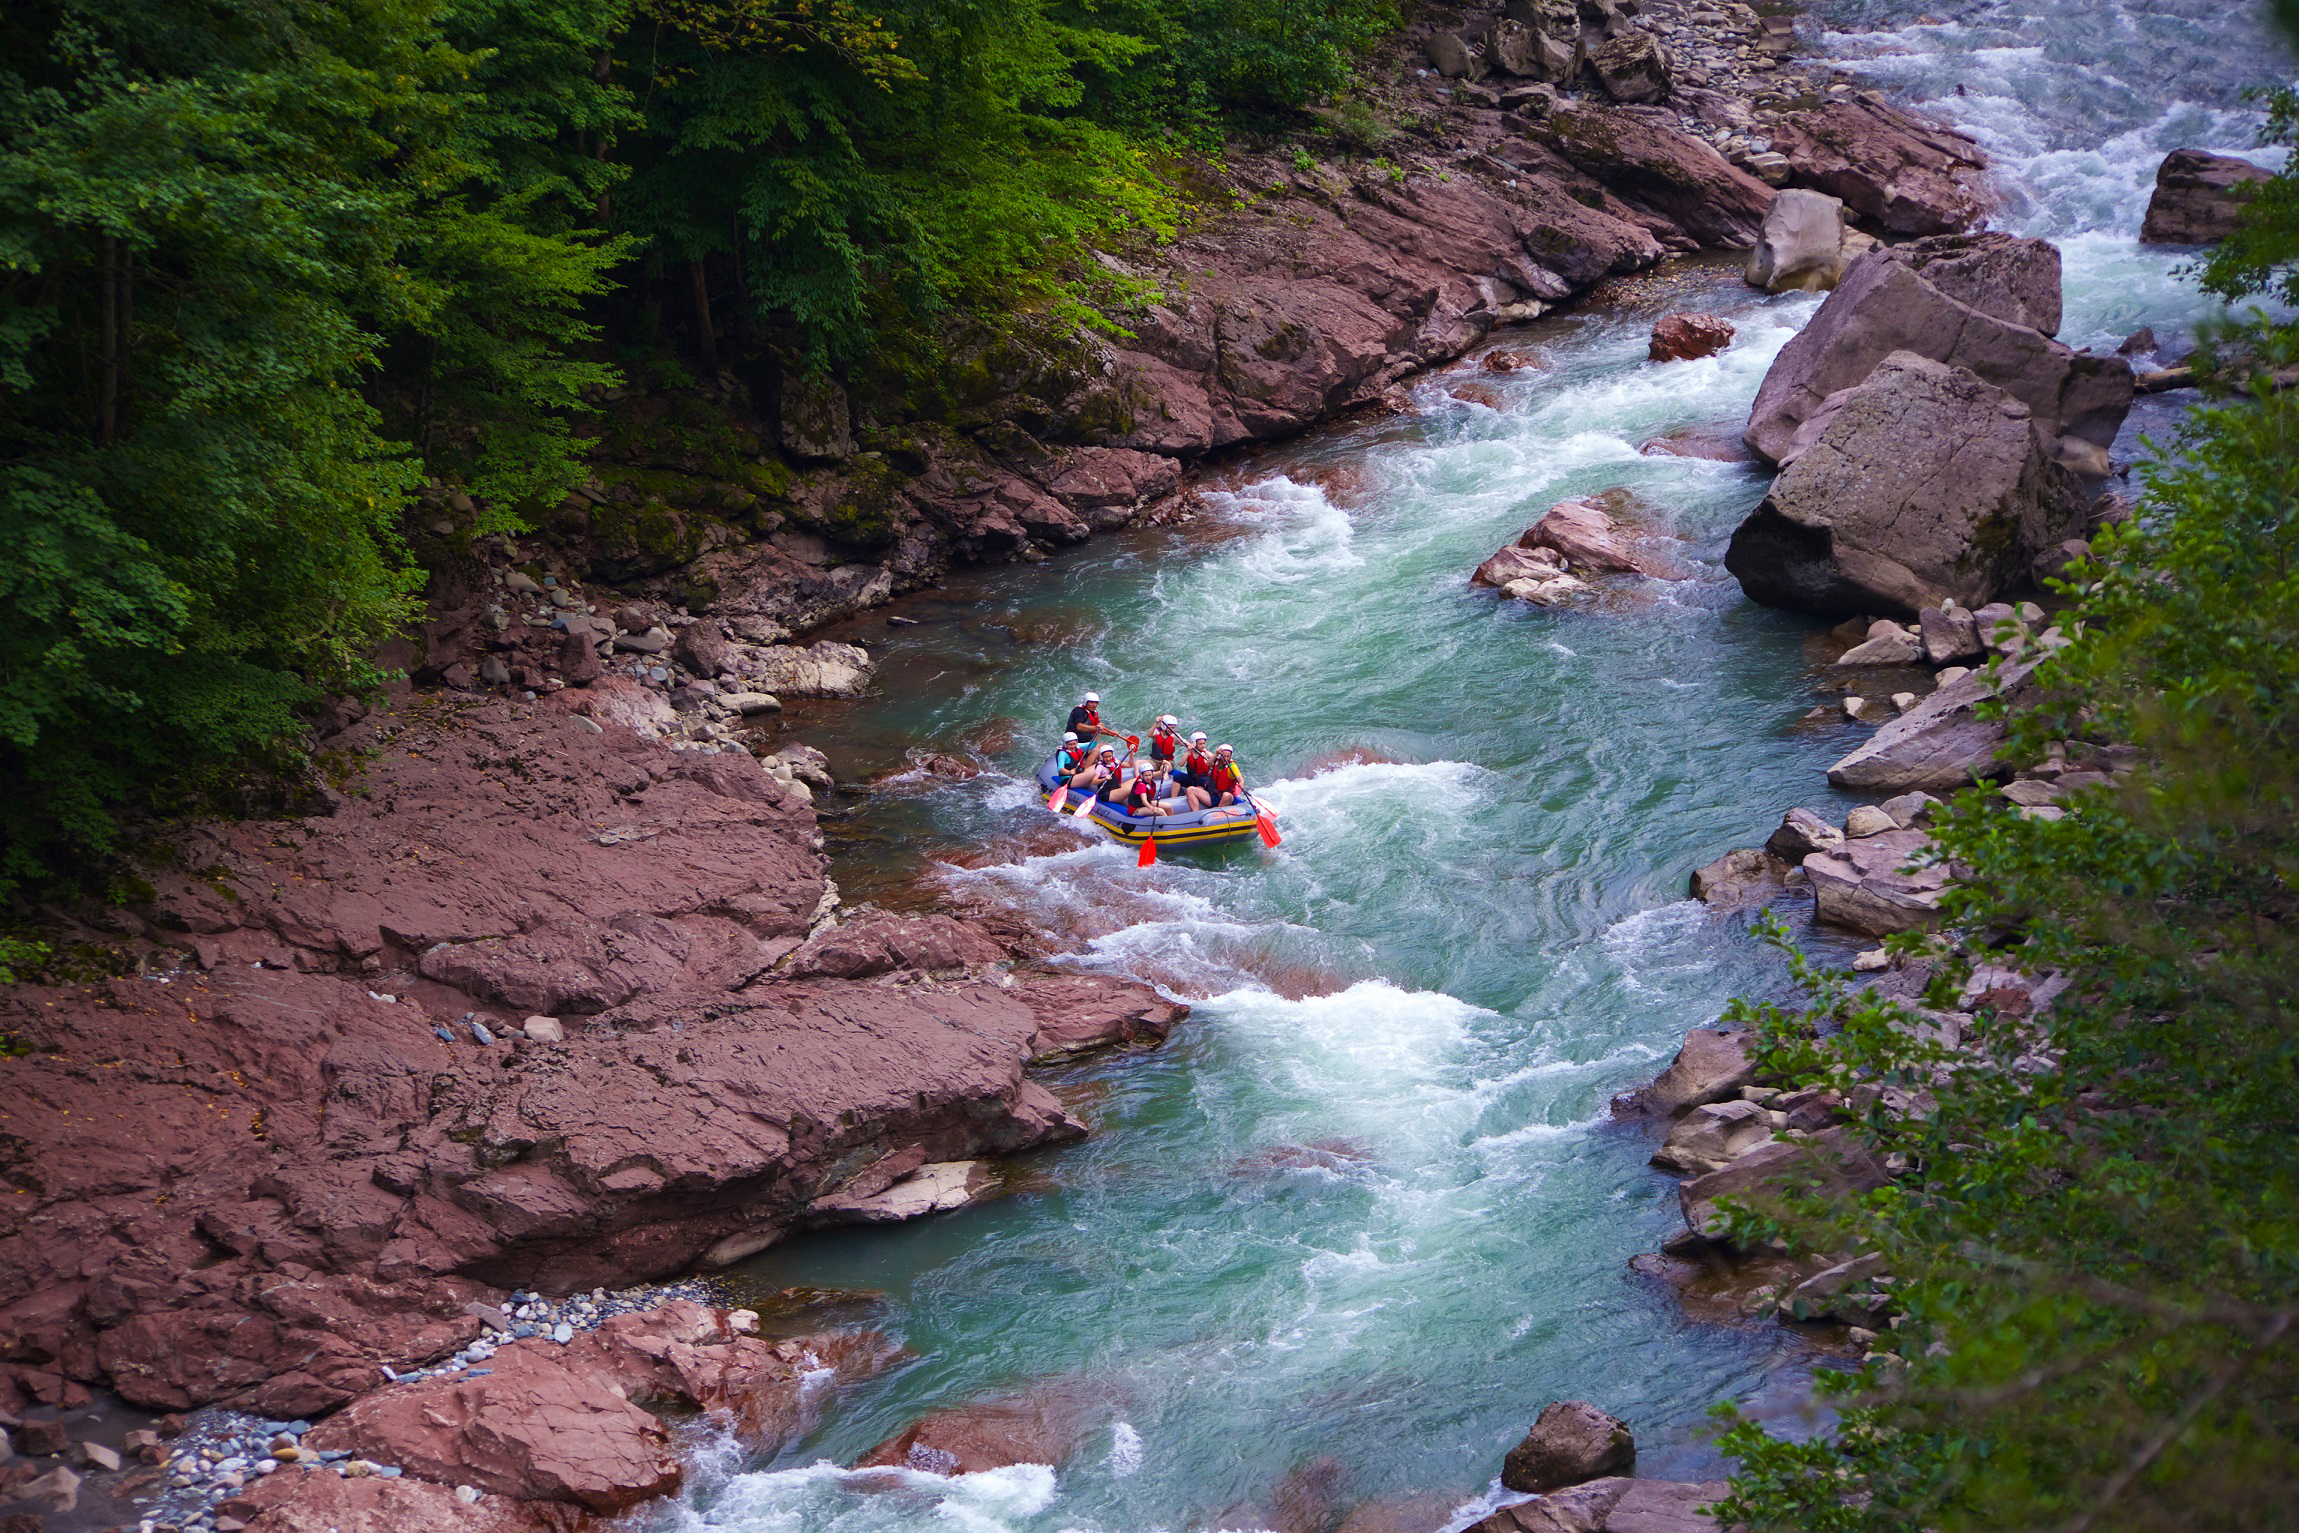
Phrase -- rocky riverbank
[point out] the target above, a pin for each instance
(548, 990)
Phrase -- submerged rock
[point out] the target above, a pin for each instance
(1685, 337)
(1042, 1425)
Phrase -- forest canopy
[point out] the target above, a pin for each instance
(267, 266)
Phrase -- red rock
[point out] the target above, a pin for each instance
(1663, 173)
(1589, 539)
(1684, 337)
(1571, 1442)
(1901, 174)
(318, 1185)
(566, 1423)
(882, 942)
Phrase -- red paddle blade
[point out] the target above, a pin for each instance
(1149, 853)
(1133, 743)
(1269, 836)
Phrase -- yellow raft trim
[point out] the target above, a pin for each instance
(1236, 830)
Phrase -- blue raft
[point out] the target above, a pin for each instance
(1206, 827)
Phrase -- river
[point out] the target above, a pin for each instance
(1368, 1205)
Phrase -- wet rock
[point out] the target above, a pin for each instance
(1079, 1014)
(1041, 1426)
(1938, 746)
(1802, 832)
(1893, 300)
(1901, 174)
(1425, 1513)
(1865, 885)
(1801, 245)
(2199, 198)
(1738, 878)
(1536, 575)
(1633, 68)
(1684, 337)
(1910, 809)
(1571, 1442)
(1920, 484)
(1711, 1065)
(1590, 541)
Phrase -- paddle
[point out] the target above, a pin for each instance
(1149, 851)
(1265, 820)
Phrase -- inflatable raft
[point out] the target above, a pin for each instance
(1207, 827)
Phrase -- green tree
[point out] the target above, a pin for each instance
(212, 223)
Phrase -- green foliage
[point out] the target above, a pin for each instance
(931, 159)
(2263, 255)
(212, 223)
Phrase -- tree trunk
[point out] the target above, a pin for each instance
(702, 317)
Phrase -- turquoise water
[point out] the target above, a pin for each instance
(1368, 1205)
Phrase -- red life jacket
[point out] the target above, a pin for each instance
(1227, 778)
(1200, 764)
(1071, 761)
(1140, 794)
(1164, 745)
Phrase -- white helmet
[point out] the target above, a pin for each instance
(1198, 738)
(1225, 750)
(1091, 697)
(1169, 721)
(1069, 737)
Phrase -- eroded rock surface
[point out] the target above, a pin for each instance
(2198, 197)
(328, 1164)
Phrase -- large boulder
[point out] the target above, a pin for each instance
(1900, 175)
(1921, 484)
(1681, 178)
(1571, 1441)
(2198, 198)
(2002, 275)
(1888, 302)
(1939, 745)
(1801, 246)
(1451, 56)
(1878, 884)
(1633, 68)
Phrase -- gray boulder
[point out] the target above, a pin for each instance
(1801, 248)
(2012, 279)
(1632, 67)
(1939, 745)
(1887, 644)
(1571, 1442)
(1738, 878)
(1921, 484)
(1712, 1137)
(1556, 28)
(1886, 304)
